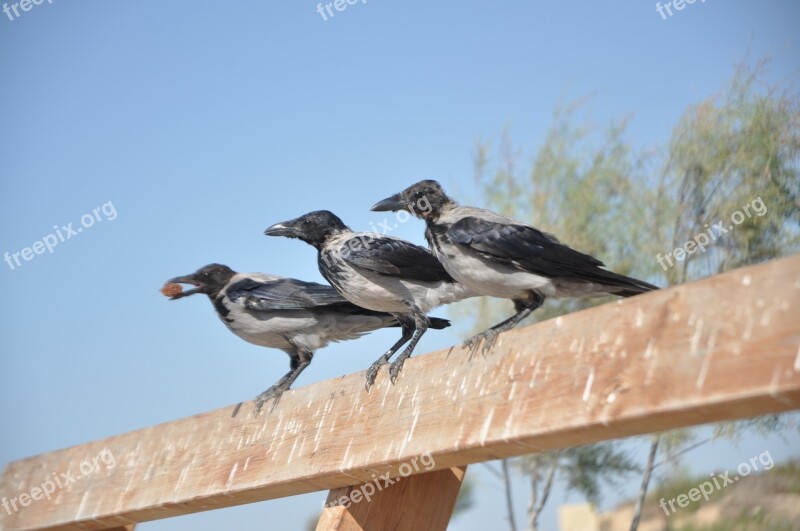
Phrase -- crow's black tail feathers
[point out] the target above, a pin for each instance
(438, 323)
(631, 286)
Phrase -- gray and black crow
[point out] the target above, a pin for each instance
(500, 257)
(379, 273)
(291, 315)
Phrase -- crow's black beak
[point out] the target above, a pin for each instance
(187, 279)
(284, 228)
(394, 203)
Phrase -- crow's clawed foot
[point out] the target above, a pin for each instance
(373, 370)
(489, 340)
(397, 366)
(472, 344)
(487, 337)
(274, 393)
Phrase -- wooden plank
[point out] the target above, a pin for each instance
(423, 501)
(722, 348)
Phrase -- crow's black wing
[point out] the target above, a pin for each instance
(393, 257)
(283, 294)
(531, 250)
(521, 246)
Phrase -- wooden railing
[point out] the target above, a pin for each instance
(722, 348)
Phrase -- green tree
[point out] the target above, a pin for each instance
(735, 147)
(733, 156)
(736, 151)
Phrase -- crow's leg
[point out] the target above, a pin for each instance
(301, 359)
(407, 325)
(524, 308)
(421, 323)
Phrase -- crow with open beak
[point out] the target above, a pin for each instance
(291, 315)
(379, 273)
(500, 257)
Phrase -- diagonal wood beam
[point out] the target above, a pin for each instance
(422, 501)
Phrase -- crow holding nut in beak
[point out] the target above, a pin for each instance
(284, 313)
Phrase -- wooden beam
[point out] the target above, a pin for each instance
(423, 501)
(722, 348)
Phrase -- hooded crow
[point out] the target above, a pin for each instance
(500, 257)
(379, 273)
(291, 315)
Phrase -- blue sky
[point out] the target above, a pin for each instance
(204, 122)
